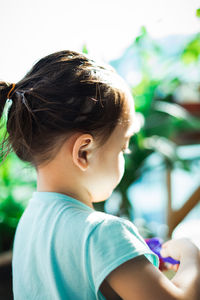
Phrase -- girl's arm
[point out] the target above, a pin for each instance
(138, 279)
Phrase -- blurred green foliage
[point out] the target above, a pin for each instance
(17, 182)
(84, 49)
(192, 51)
(164, 119)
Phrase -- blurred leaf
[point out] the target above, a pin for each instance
(192, 51)
(143, 95)
(143, 33)
(198, 12)
(163, 146)
(84, 49)
(178, 112)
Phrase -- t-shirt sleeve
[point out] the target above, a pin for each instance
(111, 243)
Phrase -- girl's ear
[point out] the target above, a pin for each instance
(81, 151)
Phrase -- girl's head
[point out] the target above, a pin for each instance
(64, 94)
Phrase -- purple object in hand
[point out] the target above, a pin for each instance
(155, 245)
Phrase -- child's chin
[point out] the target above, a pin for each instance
(103, 197)
(107, 195)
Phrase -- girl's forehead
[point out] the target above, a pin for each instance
(129, 115)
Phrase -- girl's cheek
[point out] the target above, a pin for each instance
(121, 165)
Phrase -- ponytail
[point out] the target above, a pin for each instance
(19, 123)
(5, 92)
(5, 89)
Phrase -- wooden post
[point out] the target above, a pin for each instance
(169, 202)
(181, 213)
(174, 217)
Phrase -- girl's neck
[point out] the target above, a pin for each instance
(51, 179)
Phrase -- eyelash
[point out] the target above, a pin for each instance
(126, 151)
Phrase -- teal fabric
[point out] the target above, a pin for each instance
(64, 249)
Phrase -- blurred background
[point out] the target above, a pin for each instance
(155, 46)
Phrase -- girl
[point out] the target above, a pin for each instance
(72, 119)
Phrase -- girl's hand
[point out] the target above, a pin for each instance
(178, 247)
(171, 267)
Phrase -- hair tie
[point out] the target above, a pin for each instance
(13, 86)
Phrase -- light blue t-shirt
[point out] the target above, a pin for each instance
(63, 249)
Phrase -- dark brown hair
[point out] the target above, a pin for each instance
(64, 92)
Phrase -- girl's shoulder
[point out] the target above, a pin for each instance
(103, 224)
(106, 220)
